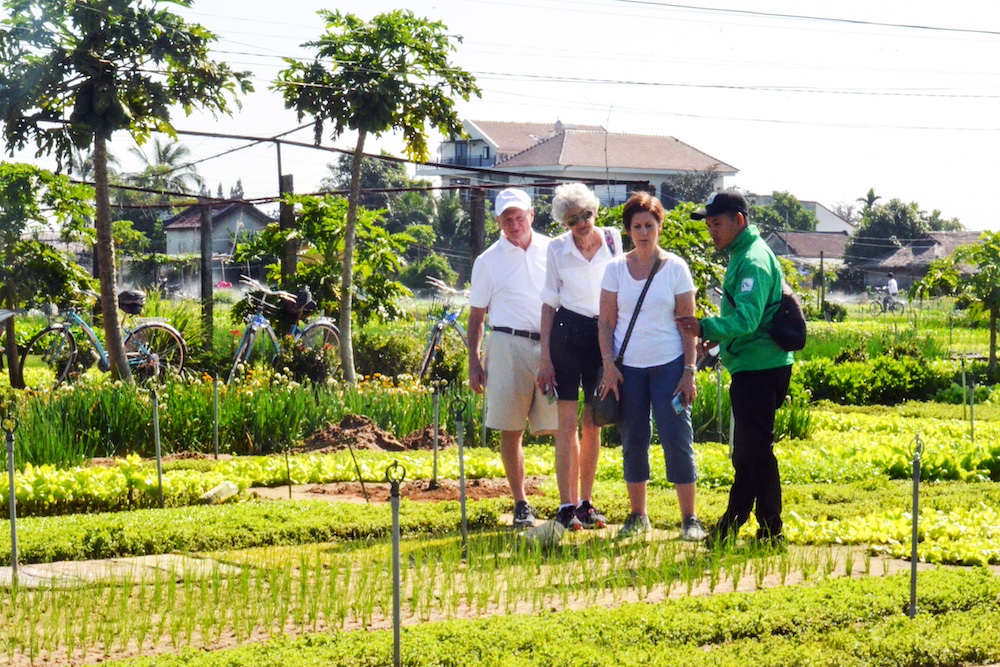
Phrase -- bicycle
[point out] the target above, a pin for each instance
(883, 302)
(444, 302)
(259, 338)
(152, 348)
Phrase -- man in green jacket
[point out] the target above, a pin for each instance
(760, 369)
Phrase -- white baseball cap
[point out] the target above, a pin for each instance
(512, 197)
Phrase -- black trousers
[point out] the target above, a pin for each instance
(755, 397)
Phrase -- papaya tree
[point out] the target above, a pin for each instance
(373, 77)
(73, 73)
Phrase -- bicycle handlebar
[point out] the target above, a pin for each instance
(281, 294)
(444, 288)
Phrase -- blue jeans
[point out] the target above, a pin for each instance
(654, 387)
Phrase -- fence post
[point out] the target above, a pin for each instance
(395, 474)
(9, 425)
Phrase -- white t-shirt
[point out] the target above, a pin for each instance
(892, 287)
(573, 282)
(508, 281)
(655, 339)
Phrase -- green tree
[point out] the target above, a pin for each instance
(936, 222)
(32, 272)
(785, 212)
(868, 201)
(373, 77)
(972, 271)
(72, 73)
(883, 228)
(691, 186)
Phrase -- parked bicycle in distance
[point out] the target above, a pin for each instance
(447, 315)
(153, 348)
(259, 342)
(883, 302)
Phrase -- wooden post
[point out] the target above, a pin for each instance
(208, 328)
(477, 218)
(286, 220)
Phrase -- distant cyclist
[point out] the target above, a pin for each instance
(891, 289)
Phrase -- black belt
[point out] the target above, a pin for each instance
(519, 332)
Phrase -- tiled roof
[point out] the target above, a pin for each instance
(511, 138)
(603, 150)
(190, 218)
(921, 252)
(810, 244)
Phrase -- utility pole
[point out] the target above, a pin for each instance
(286, 222)
(477, 217)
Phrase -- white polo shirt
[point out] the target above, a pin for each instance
(572, 281)
(508, 282)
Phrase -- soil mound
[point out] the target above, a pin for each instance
(357, 430)
(424, 439)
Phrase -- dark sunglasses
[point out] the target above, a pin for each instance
(582, 216)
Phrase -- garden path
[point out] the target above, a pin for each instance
(68, 574)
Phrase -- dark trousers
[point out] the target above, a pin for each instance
(755, 397)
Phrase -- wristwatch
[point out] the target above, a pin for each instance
(692, 368)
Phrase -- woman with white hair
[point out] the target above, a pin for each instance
(571, 355)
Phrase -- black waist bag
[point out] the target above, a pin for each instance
(788, 328)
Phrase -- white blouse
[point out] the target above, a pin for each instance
(572, 281)
(655, 339)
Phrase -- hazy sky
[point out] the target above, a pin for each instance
(822, 99)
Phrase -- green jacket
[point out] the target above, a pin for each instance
(751, 292)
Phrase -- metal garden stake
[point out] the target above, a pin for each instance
(9, 425)
(972, 409)
(458, 410)
(437, 431)
(215, 415)
(156, 443)
(917, 451)
(395, 474)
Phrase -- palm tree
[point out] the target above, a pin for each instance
(167, 168)
(868, 201)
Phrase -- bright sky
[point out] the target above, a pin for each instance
(822, 99)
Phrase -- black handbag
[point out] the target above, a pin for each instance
(606, 409)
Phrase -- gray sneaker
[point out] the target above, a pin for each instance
(524, 514)
(636, 524)
(692, 529)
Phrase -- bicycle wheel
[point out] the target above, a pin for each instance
(430, 352)
(321, 336)
(896, 308)
(241, 354)
(48, 358)
(155, 349)
(876, 308)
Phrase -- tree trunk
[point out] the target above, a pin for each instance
(106, 259)
(207, 315)
(993, 340)
(347, 266)
(10, 347)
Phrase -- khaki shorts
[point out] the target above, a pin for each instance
(512, 393)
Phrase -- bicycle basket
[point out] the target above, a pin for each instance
(131, 301)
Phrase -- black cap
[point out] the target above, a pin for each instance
(721, 202)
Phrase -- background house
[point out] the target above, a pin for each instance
(616, 164)
(805, 248)
(230, 223)
(909, 263)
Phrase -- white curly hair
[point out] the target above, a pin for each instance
(573, 195)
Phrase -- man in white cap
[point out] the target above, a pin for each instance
(507, 281)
